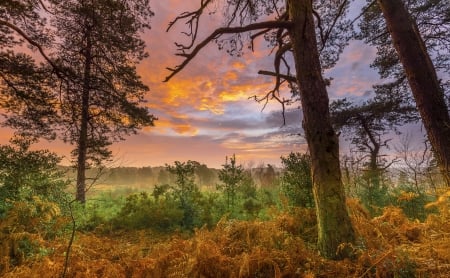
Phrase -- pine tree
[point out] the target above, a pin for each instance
(291, 30)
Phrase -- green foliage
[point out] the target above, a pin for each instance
(231, 176)
(296, 182)
(25, 174)
(185, 191)
(98, 211)
(142, 211)
(373, 195)
(412, 201)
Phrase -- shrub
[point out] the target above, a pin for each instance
(296, 182)
(25, 174)
(25, 227)
(141, 211)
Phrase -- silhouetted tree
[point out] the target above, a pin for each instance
(95, 94)
(100, 47)
(25, 21)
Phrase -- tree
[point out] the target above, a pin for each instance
(410, 35)
(231, 175)
(185, 189)
(296, 181)
(100, 101)
(366, 125)
(418, 165)
(205, 175)
(292, 30)
(93, 98)
(21, 78)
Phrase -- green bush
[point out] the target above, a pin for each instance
(296, 181)
(141, 211)
(25, 174)
(98, 210)
(412, 202)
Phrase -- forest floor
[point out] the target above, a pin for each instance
(390, 245)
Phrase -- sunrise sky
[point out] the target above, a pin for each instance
(204, 111)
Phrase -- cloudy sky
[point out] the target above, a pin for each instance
(205, 112)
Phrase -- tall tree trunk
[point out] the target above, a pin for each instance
(334, 223)
(83, 137)
(422, 79)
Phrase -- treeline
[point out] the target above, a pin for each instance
(147, 177)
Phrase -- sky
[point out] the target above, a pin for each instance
(205, 114)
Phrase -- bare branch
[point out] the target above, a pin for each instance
(184, 15)
(288, 78)
(269, 96)
(193, 19)
(260, 33)
(216, 34)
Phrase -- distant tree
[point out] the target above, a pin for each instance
(405, 34)
(205, 175)
(163, 177)
(290, 27)
(231, 176)
(266, 175)
(419, 166)
(296, 181)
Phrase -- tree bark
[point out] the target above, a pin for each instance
(334, 223)
(422, 79)
(83, 137)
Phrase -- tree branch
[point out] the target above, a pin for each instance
(32, 42)
(216, 34)
(327, 35)
(363, 11)
(288, 78)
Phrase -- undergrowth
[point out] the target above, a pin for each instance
(390, 245)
